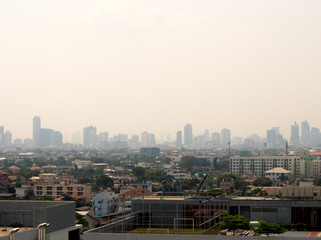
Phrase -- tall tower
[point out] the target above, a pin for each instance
(89, 136)
(36, 131)
(305, 132)
(179, 138)
(225, 137)
(295, 134)
(188, 135)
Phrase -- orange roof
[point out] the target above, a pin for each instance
(35, 168)
(136, 192)
(315, 153)
(14, 167)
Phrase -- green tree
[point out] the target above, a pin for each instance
(191, 161)
(233, 222)
(81, 220)
(268, 228)
(139, 172)
(262, 182)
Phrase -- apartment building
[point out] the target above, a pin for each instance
(77, 191)
(261, 164)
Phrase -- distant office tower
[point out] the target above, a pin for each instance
(225, 137)
(46, 137)
(103, 138)
(7, 139)
(1, 136)
(188, 135)
(315, 136)
(89, 136)
(216, 139)
(271, 136)
(295, 134)
(206, 136)
(36, 131)
(57, 141)
(145, 139)
(179, 140)
(76, 138)
(305, 132)
(134, 141)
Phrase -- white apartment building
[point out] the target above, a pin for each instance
(261, 164)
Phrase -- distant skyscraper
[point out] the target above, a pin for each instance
(1, 135)
(188, 135)
(271, 136)
(179, 140)
(89, 136)
(295, 134)
(46, 137)
(36, 131)
(145, 139)
(216, 139)
(315, 136)
(134, 141)
(57, 141)
(305, 132)
(225, 137)
(7, 139)
(103, 137)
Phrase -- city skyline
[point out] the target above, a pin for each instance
(133, 66)
(306, 135)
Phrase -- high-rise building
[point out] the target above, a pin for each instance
(179, 138)
(1, 136)
(305, 132)
(7, 139)
(145, 139)
(225, 137)
(57, 141)
(103, 138)
(36, 131)
(315, 136)
(89, 136)
(271, 136)
(295, 134)
(216, 139)
(188, 135)
(46, 137)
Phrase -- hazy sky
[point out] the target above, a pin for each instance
(130, 66)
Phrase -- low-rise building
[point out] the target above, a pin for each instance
(278, 174)
(77, 191)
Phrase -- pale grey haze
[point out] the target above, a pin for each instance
(131, 66)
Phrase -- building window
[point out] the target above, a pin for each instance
(80, 193)
(59, 188)
(59, 193)
(49, 193)
(49, 188)
(69, 188)
(69, 193)
(39, 187)
(39, 192)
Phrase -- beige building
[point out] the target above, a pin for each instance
(77, 191)
(278, 174)
(261, 164)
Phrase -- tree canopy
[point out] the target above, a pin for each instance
(262, 182)
(191, 161)
(233, 222)
(268, 228)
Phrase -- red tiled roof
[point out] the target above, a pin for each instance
(136, 192)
